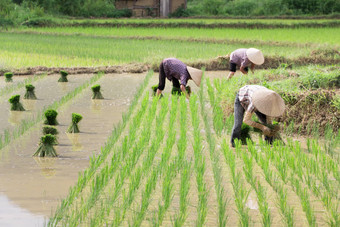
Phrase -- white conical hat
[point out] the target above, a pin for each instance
(255, 56)
(268, 102)
(195, 74)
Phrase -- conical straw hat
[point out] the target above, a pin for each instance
(196, 75)
(255, 56)
(268, 102)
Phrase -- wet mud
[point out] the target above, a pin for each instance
(36, 185)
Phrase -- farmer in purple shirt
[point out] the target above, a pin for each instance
(177, 72)
(245, 58)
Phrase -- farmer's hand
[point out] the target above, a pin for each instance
(267, 132)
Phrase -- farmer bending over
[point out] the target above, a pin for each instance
(243, 58)
(175, 70)
(264, 102)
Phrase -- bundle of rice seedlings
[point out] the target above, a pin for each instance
(50, 130)
(63, 76)
(46, 148)
(96, 92)
(275, 128)
(30, 92)
(51, 117)
(245, 133)
(74, 125)
(15, 103)
(178, 91)
(8, 77)
(154, 90)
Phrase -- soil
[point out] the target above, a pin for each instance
(312, 107)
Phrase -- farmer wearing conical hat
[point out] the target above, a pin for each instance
(261, 100)
(177, 72)
(244, 58)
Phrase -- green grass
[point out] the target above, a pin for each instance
(24, 50)
(316, 36)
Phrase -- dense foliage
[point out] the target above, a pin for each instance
(32, 12)
(262, 7)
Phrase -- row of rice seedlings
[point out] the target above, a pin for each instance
(217, 112)
(259, 189)
(100, 181)
(95, 162)
(299, 160)
(321, 158)
(199, 163)
(322, 189)
(13, 87)
(286, 211)
(123, 155)
(280, 161)
(181, 216)
(131, 159)
(169, 168)
(26, 124)
(148, 162)
(240, 192)
(184, 191)
(218, 124)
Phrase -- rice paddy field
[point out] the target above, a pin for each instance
(140, 160)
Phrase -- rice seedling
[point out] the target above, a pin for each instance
(96, 92)
(15, 103)
(178, 91)
(9, 77)
(222, 200)
(46, 148)
(30, 92)
(240, 192)
(50, 130)
(51, 117)
(73, 128)
(63, 76)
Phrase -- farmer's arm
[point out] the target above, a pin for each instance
(252, 67)
(247, 119)
(184, 91)
(242, 70)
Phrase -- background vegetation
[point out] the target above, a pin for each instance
(17, 12)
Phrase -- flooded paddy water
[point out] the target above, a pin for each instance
(31, 188)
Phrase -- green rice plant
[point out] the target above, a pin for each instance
(51, 117)
(96, 92)
(178, 91)
(9, 77)
(15, 103)
(241, 194)
(63, 76)
(73, 128)
(46, 148)
(30, 92)
(50, 130)
(184, 191)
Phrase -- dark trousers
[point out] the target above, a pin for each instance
(238, 120)
(162, 77)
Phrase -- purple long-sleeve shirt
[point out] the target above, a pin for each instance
(175, 68)
(239, 57)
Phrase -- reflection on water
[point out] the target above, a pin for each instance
(47, 166)
(29, 104)
(15, 117)
(74, 138)
(12, 215)
(63, 86)
(96, 105)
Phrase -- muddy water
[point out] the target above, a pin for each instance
(47, 91)
(16, 80)
(31, 188)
